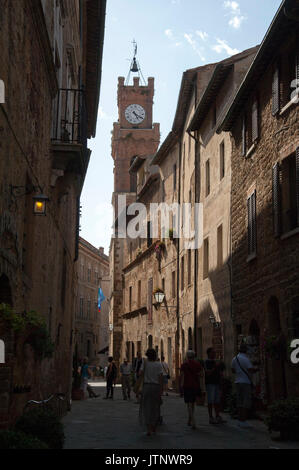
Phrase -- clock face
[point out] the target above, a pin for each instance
(135, 114)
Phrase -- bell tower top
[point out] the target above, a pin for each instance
(135, 104)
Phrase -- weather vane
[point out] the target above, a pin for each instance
(135, 66)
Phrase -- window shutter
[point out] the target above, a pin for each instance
(276, 196)
(275, 93)
(255, 121)
(244, 137)
(150, 300)
(252, 241)
(297, 183)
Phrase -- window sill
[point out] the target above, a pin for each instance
(251, 257)
(251, 150)
(290, 234)
(289, 105)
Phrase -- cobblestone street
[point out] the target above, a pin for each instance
(101, 424)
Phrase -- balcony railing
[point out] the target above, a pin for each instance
(70, 117)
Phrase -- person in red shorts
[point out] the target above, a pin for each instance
(191, 372)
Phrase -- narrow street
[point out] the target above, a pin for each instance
(106, 424)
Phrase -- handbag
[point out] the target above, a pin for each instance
(139, 383)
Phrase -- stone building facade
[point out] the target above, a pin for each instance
(263, 121)
(91, 326)
(214, 325)
(51, 51)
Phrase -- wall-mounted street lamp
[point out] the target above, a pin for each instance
(213, 321)
(39, 200)
(160, 298)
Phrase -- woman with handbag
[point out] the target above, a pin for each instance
(166, 375)
(152, 391)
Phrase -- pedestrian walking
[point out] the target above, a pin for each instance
(85, 376)
(213, 377)
(111, 376)
(126, 371)
(191, 372)
(166, 375)
(242, 367)
(152, 391)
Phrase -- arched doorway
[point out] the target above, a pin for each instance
(275, 359)
(150, 342)
(5, 290)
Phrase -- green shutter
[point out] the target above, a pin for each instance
(275, 92)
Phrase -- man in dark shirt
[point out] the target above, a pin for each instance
(213, 375)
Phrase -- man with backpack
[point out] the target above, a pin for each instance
(242, 367)
(111, 377)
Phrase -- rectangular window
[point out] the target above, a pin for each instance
(130, 299)
(189, 267)
(276, 92)
(206, 262)
(174, 177)
(182, 273)
(222, 160)
(149, 234)
(244, 142)
(150, 300)
(89, 275)
(88, 309)
(208, 178)
(139, 293)
(286, 194)
(81, 307)
(220, 246)
(255, 120)
(173, 281)
(163, 284)
(252, 228)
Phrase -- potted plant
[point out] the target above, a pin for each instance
(284, 418)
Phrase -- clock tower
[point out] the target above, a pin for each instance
(134, 134)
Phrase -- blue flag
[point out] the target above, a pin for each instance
(101, 299)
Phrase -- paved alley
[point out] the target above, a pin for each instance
(107, 424)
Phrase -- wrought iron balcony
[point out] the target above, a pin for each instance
(69, 131)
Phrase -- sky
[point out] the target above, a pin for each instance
(172, 36)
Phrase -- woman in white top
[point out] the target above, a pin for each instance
(152, 391)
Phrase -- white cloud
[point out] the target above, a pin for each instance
(237, 18)
(204, 36)
(102, 115)
(194, 45)
(222, 46)
(169, 33)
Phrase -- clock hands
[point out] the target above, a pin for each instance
(137, 115)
